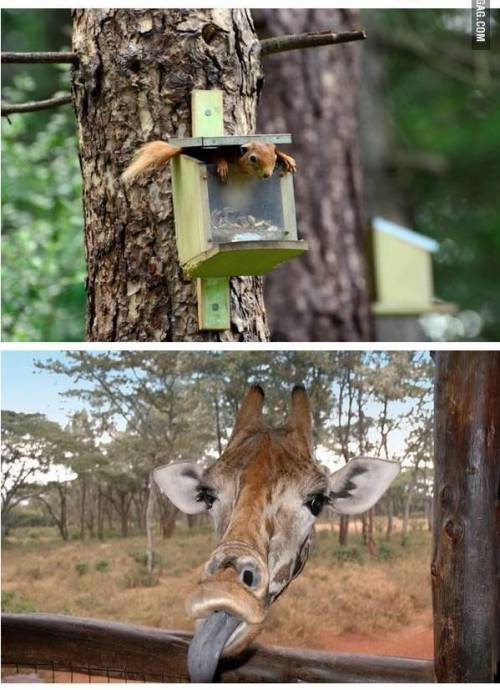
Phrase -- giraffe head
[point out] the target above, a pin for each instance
(264, 494)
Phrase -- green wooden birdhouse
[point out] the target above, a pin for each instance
(402, 280)
(243, 227)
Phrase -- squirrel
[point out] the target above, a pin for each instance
(257, 159)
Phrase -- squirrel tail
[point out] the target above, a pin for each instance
(149, 157)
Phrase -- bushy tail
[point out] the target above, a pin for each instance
(149, 157)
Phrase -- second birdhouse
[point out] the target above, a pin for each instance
(245, 226)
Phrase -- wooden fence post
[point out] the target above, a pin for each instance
(467, 472)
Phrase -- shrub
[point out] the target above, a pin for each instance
(348, 554)
(13, 602)
(102, 566)
(141, 558)
(82, 568)
(385, 552)
(137, 577)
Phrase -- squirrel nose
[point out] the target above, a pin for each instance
(265, 175)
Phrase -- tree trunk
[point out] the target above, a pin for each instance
(406, 516)
(390, 512)
(364, 528)
(217, 423)
(83, 500)
(428, 512)
(150, 511)
(466, 539)
(168, 513)
(62, 522)
(343, 530)
(136, 71)
(370, 540)
(313, 94)
(100, 514)
(192, 521)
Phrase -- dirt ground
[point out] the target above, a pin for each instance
(416, 640)
(344, 601)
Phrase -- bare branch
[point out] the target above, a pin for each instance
(279, 44)
(49, 57)
(30, 106)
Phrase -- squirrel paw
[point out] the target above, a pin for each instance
(288, 162)
(222, 168)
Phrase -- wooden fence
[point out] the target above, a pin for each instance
(113, 650)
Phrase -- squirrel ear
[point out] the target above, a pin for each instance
(244, 148)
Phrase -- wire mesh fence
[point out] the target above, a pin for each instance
(43, 672)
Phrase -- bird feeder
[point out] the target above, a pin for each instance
(244, 227)
(402, 280)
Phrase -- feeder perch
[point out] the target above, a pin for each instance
(244, 227)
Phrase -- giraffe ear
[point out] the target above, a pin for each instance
(181, 483)
(358, 486)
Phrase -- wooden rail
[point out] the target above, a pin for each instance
(140, 653)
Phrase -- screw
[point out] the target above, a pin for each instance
(215, 307)
(208, 113)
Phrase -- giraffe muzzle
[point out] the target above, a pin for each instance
(235, 580)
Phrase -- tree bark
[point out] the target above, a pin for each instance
(389, 513)
(100, 514)
(136, 71)
(168, 513)
(312, 93)
(465, 532)
(406, 515)
(343, 530)
(83, 501)
(150, 511)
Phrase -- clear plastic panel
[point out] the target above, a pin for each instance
(245, 209)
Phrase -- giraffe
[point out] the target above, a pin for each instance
(263, 494)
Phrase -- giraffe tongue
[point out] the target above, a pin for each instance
(207, 645)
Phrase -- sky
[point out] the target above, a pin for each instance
(28, 389)
(25, 388)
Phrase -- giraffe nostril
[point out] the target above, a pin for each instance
(247, 577)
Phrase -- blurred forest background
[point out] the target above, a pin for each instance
(430, 116)
(75, 494)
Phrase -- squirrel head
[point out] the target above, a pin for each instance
(258, 159)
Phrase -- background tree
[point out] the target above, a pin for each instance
(32, 448)
(136, 72)
(313, 93)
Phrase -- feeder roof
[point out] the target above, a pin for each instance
(402, 233)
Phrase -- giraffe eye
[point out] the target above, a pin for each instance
(206, 495)
(316, 503)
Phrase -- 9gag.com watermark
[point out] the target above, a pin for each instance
(480, 25)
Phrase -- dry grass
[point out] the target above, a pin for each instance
(334, 595)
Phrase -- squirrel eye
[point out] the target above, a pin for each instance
(316, 503)
(253, 158)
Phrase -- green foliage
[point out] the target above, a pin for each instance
(385, 552)
(138, 576)
(82, 568)
(13, 602)
(43, 295)
(141, 558)
(348, 554)
(28, 518)
(442, 105)
(102, 566)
